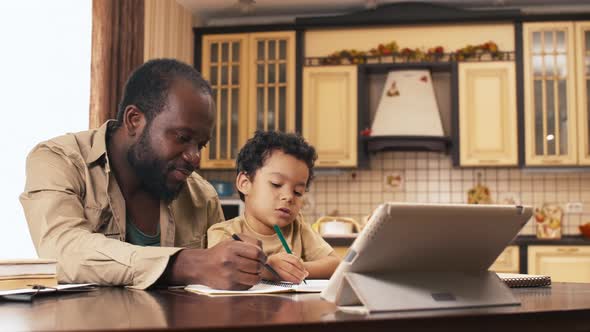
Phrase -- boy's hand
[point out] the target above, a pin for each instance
(288, 266)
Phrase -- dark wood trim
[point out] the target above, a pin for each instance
(244, 28)
(363, 119)
(521, 240)
(381, 68)
(409, 13)
(299, 57)
(554, 17)
(523, 258)
(407, 143)
(455, 125)
(197, 56)
(566, 240)
(519, 53)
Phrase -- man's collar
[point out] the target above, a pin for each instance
(99, 145)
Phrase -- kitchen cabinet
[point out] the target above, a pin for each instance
(562, 263)
(340, 251)
(583, 88)
(487, 114)
(330, 114)
(253, 81)
(556, 93)
(508, 261)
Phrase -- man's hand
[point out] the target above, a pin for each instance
(229, 265)
(288, 266)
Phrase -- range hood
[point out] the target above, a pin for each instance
(407, 116)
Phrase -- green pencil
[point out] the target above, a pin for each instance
(285, 245)
(282, 238)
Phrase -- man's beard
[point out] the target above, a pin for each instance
(152, 171)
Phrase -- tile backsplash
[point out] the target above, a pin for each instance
(428, 177)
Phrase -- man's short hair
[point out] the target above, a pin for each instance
(148, 86)
(257, 149)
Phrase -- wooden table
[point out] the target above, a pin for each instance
(563, 307)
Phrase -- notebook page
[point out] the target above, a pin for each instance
(312, 286)
(256, 289)
(264, 287)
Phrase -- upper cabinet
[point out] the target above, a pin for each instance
(330, 114)
(271, 81)
(487, 114)
(583, 75)
(556, 93)
(253, 81)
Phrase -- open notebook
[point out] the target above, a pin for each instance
(264, 287)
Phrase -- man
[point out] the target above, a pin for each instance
(117, 204)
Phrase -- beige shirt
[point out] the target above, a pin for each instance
(76, 214)
(303, 241)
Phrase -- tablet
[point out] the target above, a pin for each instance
(431, 240)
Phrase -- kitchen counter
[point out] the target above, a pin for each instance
(521, 240)
(341, 243)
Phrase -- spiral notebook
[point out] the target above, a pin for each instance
(264, 287)
(515, 280)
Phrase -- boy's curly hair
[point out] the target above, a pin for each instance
(257, 149)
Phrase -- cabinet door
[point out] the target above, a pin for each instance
(224, 67)
(583, 87)
(508, 261)
(340, 251)
(487, 114)
(549, 89)
(272, 81)
(562, 263)
(330, 114)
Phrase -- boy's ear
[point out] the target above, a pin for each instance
(243, 183)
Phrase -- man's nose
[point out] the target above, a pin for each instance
(192, 155)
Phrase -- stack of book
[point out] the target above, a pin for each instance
(25, 273)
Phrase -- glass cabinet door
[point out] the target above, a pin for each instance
(272, 81)
(583, 72)
(223, 65)
(550, 115)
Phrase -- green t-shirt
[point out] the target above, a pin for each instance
(135, 236)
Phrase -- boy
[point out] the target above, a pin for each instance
(274, 171)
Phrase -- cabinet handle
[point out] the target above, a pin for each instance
(489, 161)
(328, 162)
(216, 164)
(550, 161)
(568, 249)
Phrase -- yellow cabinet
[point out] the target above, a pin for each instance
(508, 261)
(253, 81)
(330, 114)
(562, 263)
(487, 114)
(340, 251)
(583, 87)
(556, 93)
